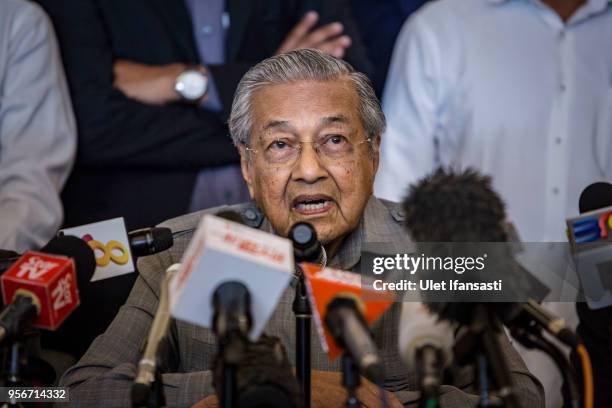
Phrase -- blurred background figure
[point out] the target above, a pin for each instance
(152, 83)
(37, 130)
(379, 24)
(516, 89)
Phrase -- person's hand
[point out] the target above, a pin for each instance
(328, 392)
(209, 402)
(152, 84)
(327, 38)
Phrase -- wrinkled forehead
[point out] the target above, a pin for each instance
(305, 105)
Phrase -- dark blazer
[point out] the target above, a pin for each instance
(140, 161)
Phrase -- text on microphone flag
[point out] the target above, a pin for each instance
(324, 284)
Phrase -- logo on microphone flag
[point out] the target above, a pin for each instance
(109, 241)
(324, 284)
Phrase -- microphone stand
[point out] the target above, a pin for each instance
(231, 323)
(306, 248)
(481, 340)
(303, 318)
(532, 338)
(350, 380)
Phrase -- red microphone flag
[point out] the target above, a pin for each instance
(50, 280)
(326, 284)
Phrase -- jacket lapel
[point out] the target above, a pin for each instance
(176, 17)
(239, 12)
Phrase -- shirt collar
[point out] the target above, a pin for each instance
(592, 7)
(376, 226)
(597, 4)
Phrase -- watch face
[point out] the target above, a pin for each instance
(191, 85)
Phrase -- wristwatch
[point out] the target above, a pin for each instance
(191, 85)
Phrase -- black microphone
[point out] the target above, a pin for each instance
(247, 374)
(232, 305)
(595, 196)
(347, 326)
(66, 245)
(149, 241)
(463, 207)
(306, 246)
(7, 258)
(457, 207)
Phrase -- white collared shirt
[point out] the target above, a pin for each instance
(507, 87)
(38, 138)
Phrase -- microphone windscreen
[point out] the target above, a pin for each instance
(595, 196)
(7, 254)
(77, 249)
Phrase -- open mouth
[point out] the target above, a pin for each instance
(312, 204)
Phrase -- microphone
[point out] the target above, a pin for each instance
(147, 367)
(343, 310)
(306, 246)
(590, 237)
(7, 258)
(532, 313)
(231, 279)
(232, 310)
(425, 344)
(595, 196)
(66, 245)
(41, 289)
(225, 251)
(152, 240)
(347, 326)
(463, 207)
(149, 241)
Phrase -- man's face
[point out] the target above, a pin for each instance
(329, 191)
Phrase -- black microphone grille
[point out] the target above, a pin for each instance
(595, 196)
(306, 245)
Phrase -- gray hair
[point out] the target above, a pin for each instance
(300, 65)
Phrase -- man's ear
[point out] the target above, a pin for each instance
(375, 153)
(245, 167)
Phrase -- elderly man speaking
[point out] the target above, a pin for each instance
(308, 129)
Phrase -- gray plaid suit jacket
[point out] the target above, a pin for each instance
(103, 376)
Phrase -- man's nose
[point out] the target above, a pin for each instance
(308, 167)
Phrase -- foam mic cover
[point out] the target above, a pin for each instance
(595, 196)
(77, 249)
(457, 207)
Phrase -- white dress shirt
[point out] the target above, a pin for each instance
(507, 87)
(37, 130)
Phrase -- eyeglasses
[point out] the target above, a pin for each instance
(286, 151)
